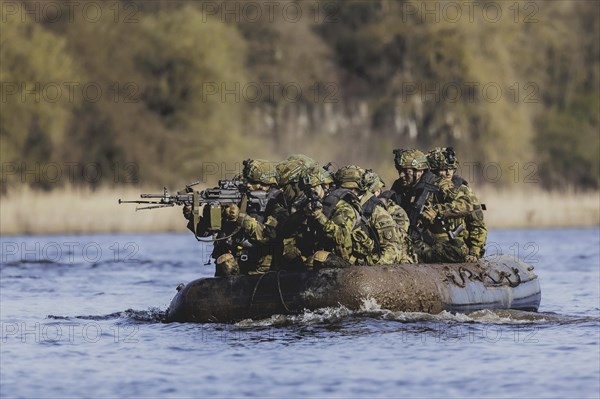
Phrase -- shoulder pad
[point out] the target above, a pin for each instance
(330, 201)
(459, 181)
(369, 207)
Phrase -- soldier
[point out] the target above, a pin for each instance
(326, 178)
(429, 202)
(338, 221)
(259, 229)
(240, 241)
(301, 183)
(443, 163)
(375, 186)
(380, 225)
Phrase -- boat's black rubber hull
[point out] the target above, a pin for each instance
(495, 283)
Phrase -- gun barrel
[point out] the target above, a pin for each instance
(137, 202)
(154, 207)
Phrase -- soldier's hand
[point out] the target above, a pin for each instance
(187, 212)
(231, 212)
(314, 208)
(446, 187)
(429, 214)
(315, 212)
(470, 259)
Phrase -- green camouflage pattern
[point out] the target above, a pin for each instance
(393, 248)
(448, 251)
(454, 206)
(442, 158)
(351, 176)
(410, 159)
(476, 232)
(401, 221)
(260, 170)
(336, 234)
(373, 181)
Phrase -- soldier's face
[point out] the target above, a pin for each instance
(445, 173)
(409, 177)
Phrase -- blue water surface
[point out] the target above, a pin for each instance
(81, 317)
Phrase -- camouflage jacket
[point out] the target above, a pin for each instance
(456, 204)
(252, 239)
(401, 219)
(475, 231)
(335, 234)
(390, 247)
(433, 192)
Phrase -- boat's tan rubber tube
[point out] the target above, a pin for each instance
(500, 282)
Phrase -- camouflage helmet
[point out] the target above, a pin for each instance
(442, 158)
(306, 160)
(410, 159)
(311, 176)
(289, 171)
(373, 181)
(351, 176)
(259, 170)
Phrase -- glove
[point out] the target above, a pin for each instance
(470, 259)
(315, 212)
(231, 212)
(429, 214)
(313, 206)
(187, 212)
(447, 188)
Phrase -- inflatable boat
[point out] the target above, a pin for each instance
(499, 282)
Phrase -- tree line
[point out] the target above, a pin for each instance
(168, 86)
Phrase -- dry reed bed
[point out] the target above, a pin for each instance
(74, 211)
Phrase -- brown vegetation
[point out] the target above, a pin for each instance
(81, 210)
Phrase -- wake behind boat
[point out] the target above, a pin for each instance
(498, 282)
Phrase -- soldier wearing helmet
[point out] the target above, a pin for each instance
(303, 184)
(245, 242)
(390, 245)
(427, 200)
(397, 213)
(443, 162)
(262, 244)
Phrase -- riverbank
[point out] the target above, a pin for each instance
(78, 211)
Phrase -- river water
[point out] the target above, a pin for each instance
(81, 316)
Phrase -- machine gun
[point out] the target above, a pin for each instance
(228, 192)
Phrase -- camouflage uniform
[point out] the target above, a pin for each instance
(471, 214)
(260, 231)
(299, 239)
(390, 233)
(336, 233)
(244, 243)
(429, 203)
(361, 230)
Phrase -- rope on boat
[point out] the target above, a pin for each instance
(277, 276)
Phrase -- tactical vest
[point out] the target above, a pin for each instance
(363, 213)
(330, 202)
(459, 181)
